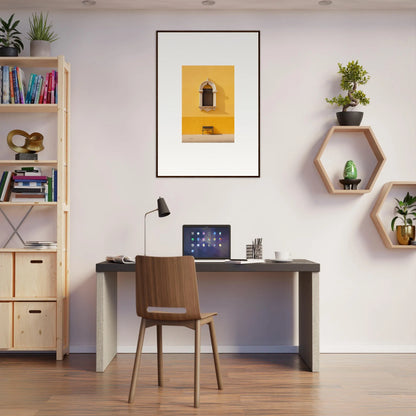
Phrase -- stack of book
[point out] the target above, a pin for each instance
(40, 245)
(27, 184)
(41, 89)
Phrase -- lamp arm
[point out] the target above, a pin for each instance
(144, 228)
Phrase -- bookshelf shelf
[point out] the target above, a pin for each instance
(52, 163)
(28, 108)
(34, 284)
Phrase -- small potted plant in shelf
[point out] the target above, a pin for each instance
(406, 209)
(10, 42)
(352, 75)
(41, 35)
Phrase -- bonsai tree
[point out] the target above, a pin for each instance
(406, 210)
(9, 35)
(352, 75)
(39, 29)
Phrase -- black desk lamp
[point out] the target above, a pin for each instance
(163, 211)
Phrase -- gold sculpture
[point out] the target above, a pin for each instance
(33, 142)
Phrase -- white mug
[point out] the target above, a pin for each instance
(282, 255)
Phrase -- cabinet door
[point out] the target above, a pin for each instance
(35, 325)
(6, 275)
(6, 325)
(35, 275)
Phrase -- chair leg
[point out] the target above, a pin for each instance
(215, 353)
(197, 362)
(137, 361)
(159, 355)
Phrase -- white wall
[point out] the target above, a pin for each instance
(366, 291)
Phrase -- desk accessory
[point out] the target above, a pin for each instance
(163, 211)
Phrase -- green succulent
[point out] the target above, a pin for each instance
(39, 29)
(405, 208)
(9, 35)
(352, 75)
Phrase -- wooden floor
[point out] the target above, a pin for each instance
(254, 384)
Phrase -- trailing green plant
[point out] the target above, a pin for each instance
(39, 29)
(406, 209)
(9, 35)
(352, 75)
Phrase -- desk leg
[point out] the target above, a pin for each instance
(309, 319)
(106, 336)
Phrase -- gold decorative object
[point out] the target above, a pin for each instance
(33, 142)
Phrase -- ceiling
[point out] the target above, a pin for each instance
(231, 5)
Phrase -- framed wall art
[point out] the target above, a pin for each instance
(208, 103)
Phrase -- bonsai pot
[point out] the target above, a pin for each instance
(40, 48)
(349, 118)
(405, 233)
(8, 51)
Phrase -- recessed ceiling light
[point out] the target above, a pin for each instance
(208, 2)
(325, 2)
(88, 2)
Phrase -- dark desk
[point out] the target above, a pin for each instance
(308, 272)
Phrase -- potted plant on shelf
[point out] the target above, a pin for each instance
(352, 75)
(10, 42)
(406, 209)
(40, 35)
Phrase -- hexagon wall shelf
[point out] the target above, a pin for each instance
(374, 146)
(375, 214)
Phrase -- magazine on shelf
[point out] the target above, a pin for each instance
(120, 259)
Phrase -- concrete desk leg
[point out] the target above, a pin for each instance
(309, 319)
(106, 337)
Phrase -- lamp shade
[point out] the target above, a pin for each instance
(162, 208)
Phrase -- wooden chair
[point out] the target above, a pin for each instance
(163, 283)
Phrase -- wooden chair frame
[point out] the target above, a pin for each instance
(163, 283)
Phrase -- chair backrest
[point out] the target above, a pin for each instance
(167, 282)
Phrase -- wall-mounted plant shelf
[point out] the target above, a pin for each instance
(374, 146)
(383, 227)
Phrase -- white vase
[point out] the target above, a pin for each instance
(40, 48)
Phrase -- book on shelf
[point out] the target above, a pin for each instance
(7, 187)
(40, 245)
(40, 88)
(120, 259)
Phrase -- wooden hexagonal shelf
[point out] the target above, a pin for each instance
(383, 227)
(374, 146)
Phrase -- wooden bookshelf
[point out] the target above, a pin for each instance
(34, 284)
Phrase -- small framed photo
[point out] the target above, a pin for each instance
(208, 104)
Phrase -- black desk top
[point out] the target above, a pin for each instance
(297, 265)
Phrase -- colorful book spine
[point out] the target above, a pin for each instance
(56, 86)
(15, 86)
(2, 180)
(6, 90)
(45, 92)
(29, 88)
(21, 82)
(55, 185)
(49, 188)
(5, 193)
(1, 84)
(11, 85)
(38, 89)
(29, 178)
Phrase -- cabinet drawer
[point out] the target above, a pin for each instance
(6, 275)
(35, 325)
(6, 325)
(35, 274)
